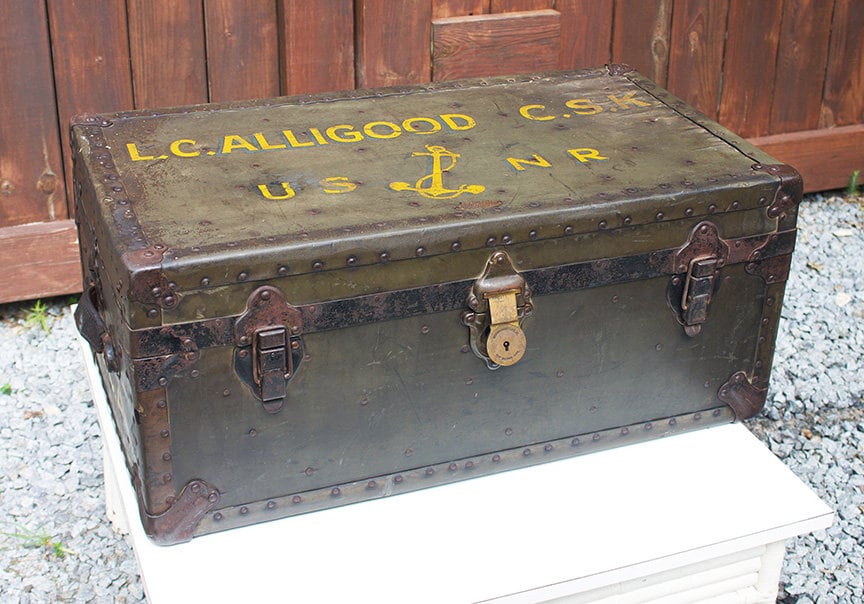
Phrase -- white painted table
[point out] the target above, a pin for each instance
(697, 517)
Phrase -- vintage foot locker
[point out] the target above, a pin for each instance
(305, 302)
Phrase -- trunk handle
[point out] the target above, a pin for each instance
(92, 327)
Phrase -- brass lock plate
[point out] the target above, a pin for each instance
(499, 300)
(506, 342)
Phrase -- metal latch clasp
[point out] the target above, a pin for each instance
(698, 290)
(269, 346)
(271, 364)
(499, 300)
(694, 282)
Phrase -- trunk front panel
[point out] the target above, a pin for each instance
(387, 397)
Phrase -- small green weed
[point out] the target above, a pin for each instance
(41, 540)
(854, 184)
(6, 389)
(37, 316)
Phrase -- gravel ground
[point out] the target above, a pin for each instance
(57, 546)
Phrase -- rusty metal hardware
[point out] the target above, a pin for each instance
(271, 363)
(698, 289)
(789, 193)
(179, 522)
(744, 397)
(89, 321)
(696, 264)
(499, 300)
(269, 347)
(441, 297)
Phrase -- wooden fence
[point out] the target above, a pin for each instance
(788, 74)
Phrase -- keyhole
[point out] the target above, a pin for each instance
(506, 345)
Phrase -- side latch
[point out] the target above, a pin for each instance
(696, 265)
(498, 302)
(269, 346)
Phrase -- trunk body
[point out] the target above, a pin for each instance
(311, 301)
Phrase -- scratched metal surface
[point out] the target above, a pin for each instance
(503, 152)
(554, 170)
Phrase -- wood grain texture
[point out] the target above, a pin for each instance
(750, 65)
(801, 59)
(242, 49)
(318, 45)
(166, 43)
(392, 42)
(39, 260)
(586, 33)
(843, 102)
(825, 157)
(512, 6)
(89, 43)
(31, 168)
(458, 8)
(696, 54)
(495, 44)
(641, 36)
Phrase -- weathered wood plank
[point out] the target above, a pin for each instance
(318, 45)
(512, 6)
(586, 27)
(90, 47)
(843, 102)
(749, 67)
(393, 42)
(641, 36)
(801, 59)
(31, 168)
(39, 260)
(458, 8)
(825, 157)
(242, 49)
(696, 57)
(495, 44)
(166, 43)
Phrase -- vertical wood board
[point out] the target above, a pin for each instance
(749, 66)
(393, 42)
(586, 33)
(318, 45)
(31, 167)
(696, 57)
(89, 42)
(801, 59)
(495, 44)
(166, 42)
(242, 49)
(843, 102)
(640, 36)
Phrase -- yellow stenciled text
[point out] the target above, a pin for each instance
(332, 185)
(586, 154)
(581, 154)
(581, 107)
(293, 138)
(287, 192)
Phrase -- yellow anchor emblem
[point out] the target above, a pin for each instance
(435, 188)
